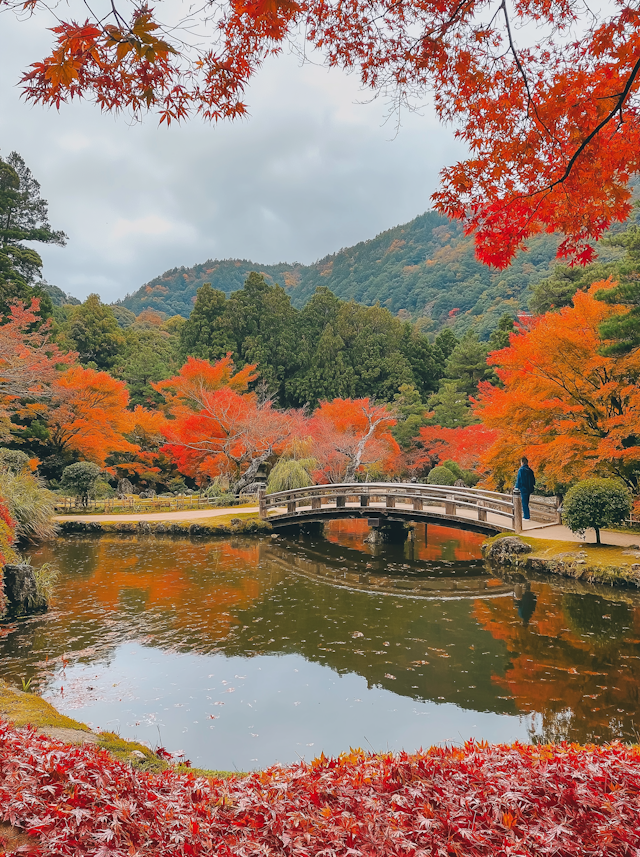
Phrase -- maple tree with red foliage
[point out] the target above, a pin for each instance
(571, 409)
(350, 434)
(477, 800)
(29, 360)
(89, 415)
(551, 123)
(465, 445)
(216, 427)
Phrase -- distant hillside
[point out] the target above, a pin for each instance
(424, 269)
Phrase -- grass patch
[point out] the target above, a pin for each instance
(609, 565)
(29, 708)
(606, 556)
(224, 520)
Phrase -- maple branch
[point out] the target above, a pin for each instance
(531, 102)
(617, 108)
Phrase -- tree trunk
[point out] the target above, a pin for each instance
(597, 529)
(250, 473)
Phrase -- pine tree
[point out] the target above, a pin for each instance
(23, 217)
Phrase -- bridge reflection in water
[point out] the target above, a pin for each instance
(452, 569)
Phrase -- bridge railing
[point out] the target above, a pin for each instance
(473, 503)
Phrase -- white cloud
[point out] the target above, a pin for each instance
(310, 171)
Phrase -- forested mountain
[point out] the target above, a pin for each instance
(424, 269)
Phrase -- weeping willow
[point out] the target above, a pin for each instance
(290, 473)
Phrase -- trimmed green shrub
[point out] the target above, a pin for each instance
(80, 480)
(31, 505)
(103, 491)
(454, 467)
(596, 503)
(440, 476)
(469, 477)
(291, 473)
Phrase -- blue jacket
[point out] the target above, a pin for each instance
(526, 481)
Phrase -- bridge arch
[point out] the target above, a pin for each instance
(387, 502)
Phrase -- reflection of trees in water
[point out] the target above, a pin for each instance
(231, 596)
(532, 652)
(602, 620)
(579, 670)
(551, 727)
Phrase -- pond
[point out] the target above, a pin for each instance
(243, 652)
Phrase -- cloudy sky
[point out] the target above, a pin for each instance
(312, 170)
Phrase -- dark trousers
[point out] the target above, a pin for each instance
(525, 505)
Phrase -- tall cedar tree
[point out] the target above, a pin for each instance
(330, 348)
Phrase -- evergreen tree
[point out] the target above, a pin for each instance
(93, 331)
(467, 364)
(450, 406)
(23, 217)
(500, 336)
(557, 291)
(624, 328)
(206, 334)
(425, 360)
(262, 327)
(446, 341)
(327, 374)
(410, 412)
(148, 356)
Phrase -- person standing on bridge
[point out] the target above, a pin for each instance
(525, 483)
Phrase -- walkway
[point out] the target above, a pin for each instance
(158, 517)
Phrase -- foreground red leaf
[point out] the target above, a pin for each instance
(478, 800)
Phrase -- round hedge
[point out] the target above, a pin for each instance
(441, 476)
(596, 503)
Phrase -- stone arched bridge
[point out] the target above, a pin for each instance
(388, 502)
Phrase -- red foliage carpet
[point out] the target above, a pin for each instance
(480, 800)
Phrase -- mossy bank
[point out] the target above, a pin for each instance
(29, 709)
(611, 565)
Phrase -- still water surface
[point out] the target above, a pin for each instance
(244, 652)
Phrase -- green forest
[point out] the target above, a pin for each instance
(424, 270)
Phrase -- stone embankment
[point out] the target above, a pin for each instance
(611, 565)
(19, 593)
